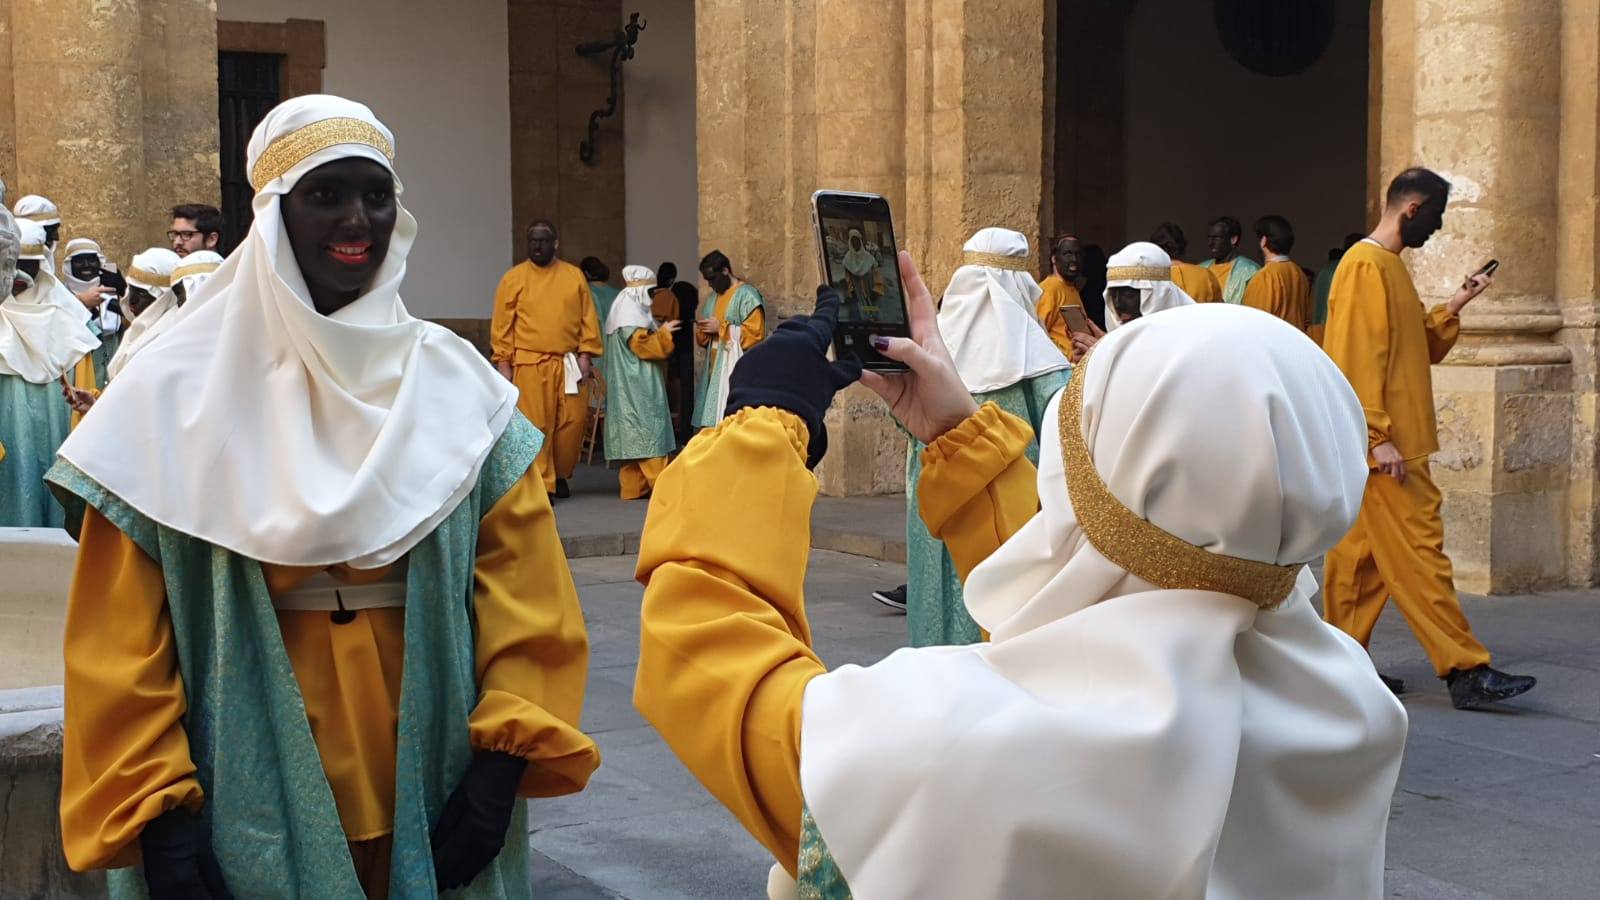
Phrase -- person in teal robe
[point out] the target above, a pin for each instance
(598, 274)
(1232, 269)
(638, 420)
(1004, 356)
(731, 321)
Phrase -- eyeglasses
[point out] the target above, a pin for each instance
(182, 235)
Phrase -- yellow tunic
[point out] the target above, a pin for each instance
(1057, 293)
(1221, 270)
(752, 329)
(83, 380)
(1281, 288)
(1198, 282)
(1386, 343)
(725, 648)
(126, 755)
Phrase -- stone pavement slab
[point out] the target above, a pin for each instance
(1497, 805)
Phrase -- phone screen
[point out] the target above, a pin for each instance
(860, 259)
(1077, 321)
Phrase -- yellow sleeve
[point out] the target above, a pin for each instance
(753, 328)
(1054, 323)
(1259, 294)
(589, 326)
(1443, 331)
(1357, 339)
(504, 320)
(724, 647)
(83, 380)
(125, 755)
(703, 340)
(978, 487)
(532, 648)
(651, 345)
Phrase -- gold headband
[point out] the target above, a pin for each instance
(997, 261)
(634, 284)
(199, 268)
(288, 151)
(1144, 548)
(150, 278)
(1139, 273)
(32, 250)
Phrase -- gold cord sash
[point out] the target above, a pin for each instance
(996, 261)
(286, 152)
(1143, 548)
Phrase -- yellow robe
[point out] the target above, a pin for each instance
(725, 647)
(638, 476)
(83, 380)
(542, 313)
(126, 754)
(1058, 293)
(1385, 343)
(751, 330)
(1198, 282)
(1281, 288)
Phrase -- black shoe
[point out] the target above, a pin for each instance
(1395, 685)
(1483, 685)
(895, 599)
(562, 491)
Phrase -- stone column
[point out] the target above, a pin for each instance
(1484, 111)
(8, 110)
(89, 155)
(179, 78)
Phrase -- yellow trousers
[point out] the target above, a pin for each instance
(1396, 549)
(640, 475)
(558, 415)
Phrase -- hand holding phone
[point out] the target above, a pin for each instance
(1077, 320)
(1475, 284)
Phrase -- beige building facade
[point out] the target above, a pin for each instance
(1096, 117)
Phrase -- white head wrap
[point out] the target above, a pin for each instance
(194, 270)
(40, 209)
(988, 318)
(858, 260)
(31, 233)
(43, 334)
(340, 438)
(151, 270)
(1119, 738)
(1147, 267)
(79, 246)
(631, 309)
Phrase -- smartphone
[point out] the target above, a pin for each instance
(857, 253)
(1077, 320)
(1489, 267)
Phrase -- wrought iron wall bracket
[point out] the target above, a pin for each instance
(621, 49)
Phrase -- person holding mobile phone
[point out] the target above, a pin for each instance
(1386, 343)
(730, 321)
(1004, 357)
(638, 422)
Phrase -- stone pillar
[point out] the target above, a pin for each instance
(8, 110)
(89, 155)
(1485, 112)
(179, 77)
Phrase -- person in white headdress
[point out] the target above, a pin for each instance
(1004, 356)
(1138, 283)
(1159, 713)
(638, 420)
(322, 636)
(861, 288)
(95, 282)
(42, 340)
(150, 300)
(192, 272)
(43, 210)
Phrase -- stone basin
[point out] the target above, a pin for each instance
(35, 570)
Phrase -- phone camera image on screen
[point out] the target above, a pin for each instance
(860, 260)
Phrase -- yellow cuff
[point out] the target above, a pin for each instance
(560, 756)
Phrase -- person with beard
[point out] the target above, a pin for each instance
(1385, 342)
(1232, 269)
(1061, 290)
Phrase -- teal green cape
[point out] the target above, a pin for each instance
(744, 301)
(638, 422)
(34, 420)
(1244, 269)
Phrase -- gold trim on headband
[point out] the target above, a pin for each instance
(1144, 548)
(997, 261)
(199, 268)
(152, 279)
(31, 250)
(638, 284)
(1139, 273)
(287, 152)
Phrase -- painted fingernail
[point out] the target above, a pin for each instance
(880, 344)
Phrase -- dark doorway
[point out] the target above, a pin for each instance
(247, 88)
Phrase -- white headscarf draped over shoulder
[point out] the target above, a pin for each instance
(151, 270)
(79, 246)
(44, 331)
(988, 318)
(631, 309)
(194, 270)
(286, 436)
(1161, 712)
(42, 210)
(1148, 268)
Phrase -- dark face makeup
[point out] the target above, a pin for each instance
(340, 218)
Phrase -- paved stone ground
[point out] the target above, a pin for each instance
(1499, 804)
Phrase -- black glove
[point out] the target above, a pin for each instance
(178, 862)
(790, 370)
(472, 828)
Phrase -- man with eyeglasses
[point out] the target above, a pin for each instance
(195, 226)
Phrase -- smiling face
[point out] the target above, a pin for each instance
(84, 266)
(1068, 258)
(340, 218)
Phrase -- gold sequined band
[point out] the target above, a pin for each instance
(149, 278)
(996, 261)
(1143, 548)
(202, 268)
(1139, 273)
(636, 284)
(32, 250)
(286, 152)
